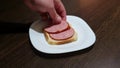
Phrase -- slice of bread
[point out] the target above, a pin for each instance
(58, 42)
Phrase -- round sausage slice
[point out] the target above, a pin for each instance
(57, 27)
(63, 35)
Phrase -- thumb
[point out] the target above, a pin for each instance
(54, 16)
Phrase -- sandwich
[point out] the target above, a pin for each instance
(60, 33)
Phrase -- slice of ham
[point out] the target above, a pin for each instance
(57, 27)
(63, 35)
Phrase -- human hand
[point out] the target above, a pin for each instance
(53, 8)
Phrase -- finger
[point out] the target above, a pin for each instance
(60, 9)
(29, 4)
(55, 17)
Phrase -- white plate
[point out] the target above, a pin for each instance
(86, 37)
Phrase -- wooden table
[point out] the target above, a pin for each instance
(103, 16)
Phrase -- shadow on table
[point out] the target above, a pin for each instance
(65, 55)
(13, 27)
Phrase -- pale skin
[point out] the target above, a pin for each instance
(54, 8)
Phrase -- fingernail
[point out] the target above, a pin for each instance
(59, 19)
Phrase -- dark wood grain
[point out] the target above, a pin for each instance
(103, 16)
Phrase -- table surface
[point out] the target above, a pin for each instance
(103, 16)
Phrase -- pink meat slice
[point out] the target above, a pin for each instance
(63, 35)
(57, 28)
